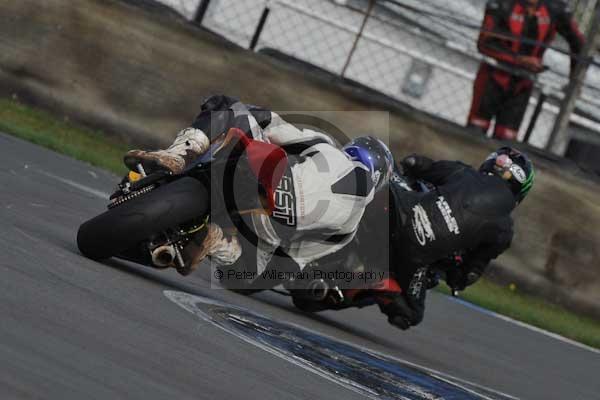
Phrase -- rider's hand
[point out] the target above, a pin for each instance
(409, 161)
(415, 162)
(433, 279)
(533, 64)
(407, 309)
(399, 312)
(459, 279)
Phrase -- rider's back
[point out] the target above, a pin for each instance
(468, 211)
(322, 195)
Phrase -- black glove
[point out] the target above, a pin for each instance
(414, 163)
(459, 278)
(399, 312)
(433, 279)
(409, 161)
(407, 309)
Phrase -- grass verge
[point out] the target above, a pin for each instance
(94, 147)
(61, 135)
(507, 300)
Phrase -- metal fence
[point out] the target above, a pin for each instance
(421, 52)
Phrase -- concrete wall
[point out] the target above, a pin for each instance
(142, 74)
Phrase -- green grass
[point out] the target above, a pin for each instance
(61, 135)
(507, 300)
(94, 147)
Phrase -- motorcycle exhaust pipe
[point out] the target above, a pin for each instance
(163, 256)
(318, 289)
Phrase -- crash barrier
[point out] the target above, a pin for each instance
(423, 53)
(142, 74)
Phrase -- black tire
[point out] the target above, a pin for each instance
(307, 305)
(124, 226)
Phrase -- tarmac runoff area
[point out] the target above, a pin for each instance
(76, 328)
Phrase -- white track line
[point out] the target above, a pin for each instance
(524, 325)
(76, 185)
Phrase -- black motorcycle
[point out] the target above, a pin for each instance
(151, 217)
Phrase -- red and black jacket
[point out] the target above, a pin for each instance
(508, 32)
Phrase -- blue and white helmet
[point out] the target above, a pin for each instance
(373, 154)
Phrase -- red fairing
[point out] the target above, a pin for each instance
(388, 285)
(382, 290)
(267, 162)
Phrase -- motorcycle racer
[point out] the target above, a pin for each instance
(312, 210)
(468, 213)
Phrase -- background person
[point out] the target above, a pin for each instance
(516, 33)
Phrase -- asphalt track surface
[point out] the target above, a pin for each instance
(75, 328)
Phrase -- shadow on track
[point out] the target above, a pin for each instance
(320, 318)
(167, 282)
(150, 275)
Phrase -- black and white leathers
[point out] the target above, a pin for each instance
(321, 198)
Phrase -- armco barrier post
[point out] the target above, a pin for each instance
(559, 138)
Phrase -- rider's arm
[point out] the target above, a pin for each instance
(567, 28)
(434, 172)
(494, 242)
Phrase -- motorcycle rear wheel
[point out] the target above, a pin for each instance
(122, 228)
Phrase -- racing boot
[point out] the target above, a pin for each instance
(222, 249)
(189, 144)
